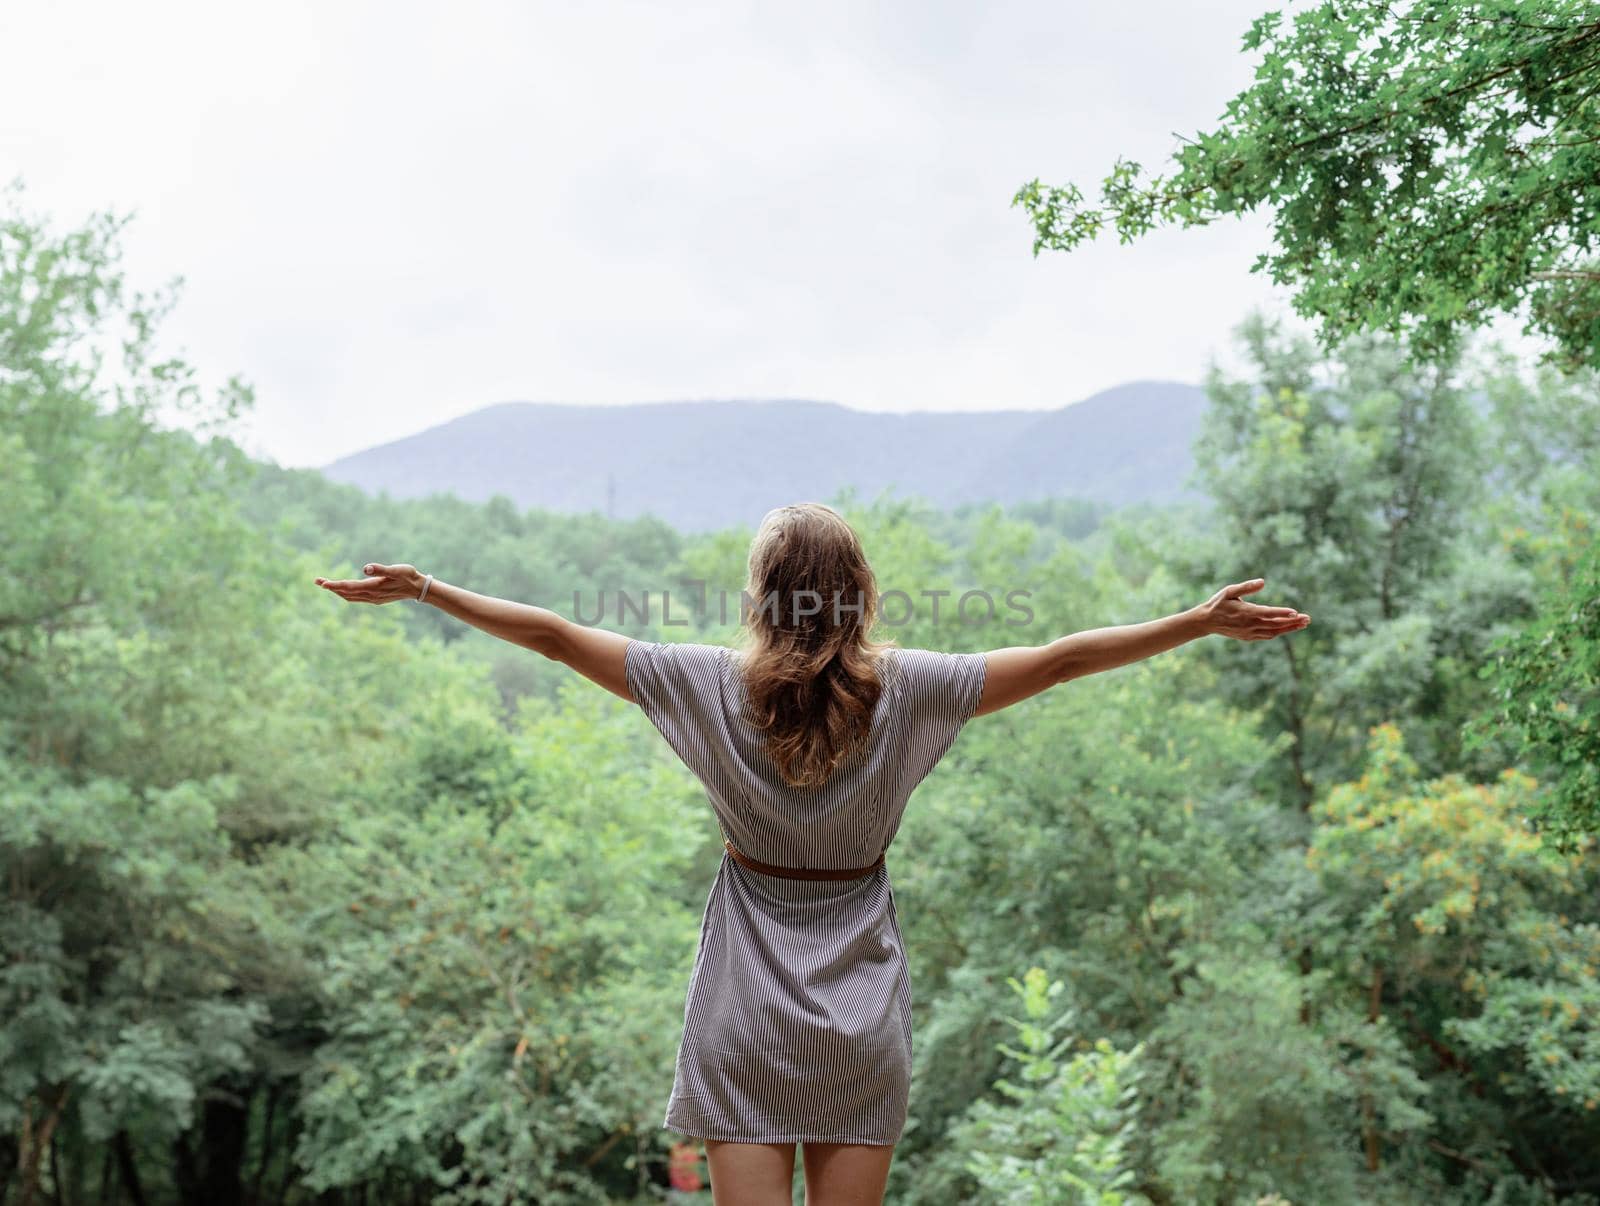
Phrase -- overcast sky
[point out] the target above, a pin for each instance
(388, 215)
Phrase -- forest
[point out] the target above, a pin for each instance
(306, 902)
(309, 903)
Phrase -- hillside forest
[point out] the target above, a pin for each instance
(303, 902)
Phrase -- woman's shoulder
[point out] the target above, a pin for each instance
(935, 671)
(676, 661)
(916, 659)
(667, 642)
(685, 652)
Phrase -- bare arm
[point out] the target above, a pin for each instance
(1014, 674)
(596, 654)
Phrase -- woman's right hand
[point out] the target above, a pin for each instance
(386, 584)
(1229, 615)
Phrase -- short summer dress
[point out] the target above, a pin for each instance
(797, 1021)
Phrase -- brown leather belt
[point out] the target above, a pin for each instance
(799, 872)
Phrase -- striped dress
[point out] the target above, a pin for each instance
(797, 1021)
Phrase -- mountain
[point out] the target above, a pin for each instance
(706, 465)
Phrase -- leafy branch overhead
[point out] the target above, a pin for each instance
(1428, 164)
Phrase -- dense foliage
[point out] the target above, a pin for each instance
(1428, 164)
(308, 902)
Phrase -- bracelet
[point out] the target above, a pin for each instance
(427, 582)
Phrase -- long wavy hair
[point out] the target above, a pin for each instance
(810, 672)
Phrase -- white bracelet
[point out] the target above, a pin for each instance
(426, 582)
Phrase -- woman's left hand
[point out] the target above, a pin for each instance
(386, 584)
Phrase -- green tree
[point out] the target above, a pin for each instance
(1546, 691)
(1428, 164)
(1451, 940)
(502, 992)
(123, 929)
(1354, 488)
(1062, 1135)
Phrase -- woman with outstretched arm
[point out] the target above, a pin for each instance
(809, 740)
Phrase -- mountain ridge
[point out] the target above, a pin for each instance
(702, 464)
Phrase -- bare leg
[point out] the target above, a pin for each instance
(751, 1174)
(846, 1174)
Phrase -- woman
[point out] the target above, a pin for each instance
(797, 1021)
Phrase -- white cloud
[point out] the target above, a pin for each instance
(389, 215)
